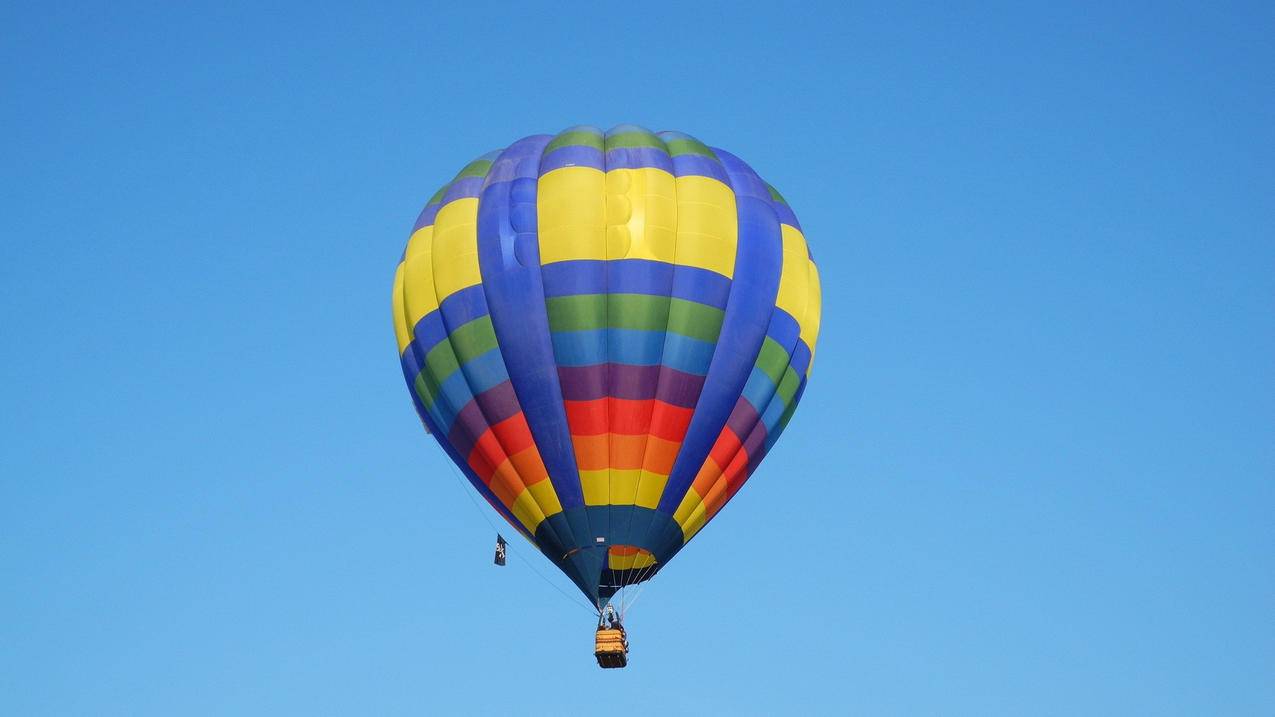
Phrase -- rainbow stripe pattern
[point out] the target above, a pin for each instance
(606, 332)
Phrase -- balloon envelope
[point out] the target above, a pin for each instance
(606, 332)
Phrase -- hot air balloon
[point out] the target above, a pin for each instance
(607, 332)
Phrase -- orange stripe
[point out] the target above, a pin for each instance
(513, 433)
(660, 455)
(719, 493)
(591, 452)
(627, 451)
(486, 455)
(506, 484)
(707, 476)
(531, 469)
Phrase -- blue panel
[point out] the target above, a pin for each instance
(748, 311)
(509, 259)
(635, 276)
(783, 329)
(632, 347)
(758, 389)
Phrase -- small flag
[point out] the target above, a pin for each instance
(500, 549)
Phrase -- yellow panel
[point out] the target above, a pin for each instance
(571, 215)
(456, 247)
(810, 323)
(649, 490)
(644, 201)
(794, 282)
(418, 277)
(689, 503)
(707, 225)
(595, 486)
(545, 496)
(419, 242)
(526, 511)
(402, 331)
(611, 486)
(697, 519)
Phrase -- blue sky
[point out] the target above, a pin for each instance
(1033, 474)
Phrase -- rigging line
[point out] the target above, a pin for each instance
(632, 571)
(640, 587)
(460, 480)
(648, 574)
(637, 573)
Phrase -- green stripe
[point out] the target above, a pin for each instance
(582, 137)
(689, 145)
(772, 360)
(426, 388)
(438, 196)
(634, 139)
(576, 313)
(476, 168)
(775, 195)
(473, 339)
(641, 312)
(695, 320)
(463, 345)
(784, 418)
(788, 386)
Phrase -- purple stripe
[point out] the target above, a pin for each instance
(679, 388)
(499, 402)
(636, 383)
(755, 442)
(572, 155)
(742, 418)
(487, 409)
(468, 426)
(582, 383)
(757, 449)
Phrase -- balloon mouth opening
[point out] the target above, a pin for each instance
(626, 565)
(629, 557)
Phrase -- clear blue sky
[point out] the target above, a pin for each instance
(1034, 472)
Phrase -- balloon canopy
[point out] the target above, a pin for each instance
(606, 332)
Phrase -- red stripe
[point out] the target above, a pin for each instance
(628, 417)
(513, 433)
